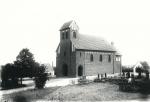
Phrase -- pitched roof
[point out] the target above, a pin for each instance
(86, 42)
(71, 24)
(66, 25)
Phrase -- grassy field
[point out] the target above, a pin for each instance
(88, 92)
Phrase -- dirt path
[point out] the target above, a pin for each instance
(50, 83)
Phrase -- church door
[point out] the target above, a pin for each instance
(80, 70)
(65, 70)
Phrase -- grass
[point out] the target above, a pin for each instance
(87, 92)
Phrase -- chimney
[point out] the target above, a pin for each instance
(112, 43)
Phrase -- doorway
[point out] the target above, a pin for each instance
(80, 70)
(65, 70)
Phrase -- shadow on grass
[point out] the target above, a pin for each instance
(21, 99)
(14, 87)
(145, 91)
(142, 87)
(30, 95)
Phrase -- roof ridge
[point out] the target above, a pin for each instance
(92, 43)
(66, 24)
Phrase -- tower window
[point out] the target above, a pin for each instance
(66, 35)
(109, 58)
(91, 58)
(80, 54)
(74, 34)
(118, 58)
(63, 35)
(100, 58)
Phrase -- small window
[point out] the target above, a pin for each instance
(118, 59)
(63, 35)
(74, 34)
(80, 54)
(109, 58)
(91, 58)
(73, 48)
(100, 58)
(66, 35)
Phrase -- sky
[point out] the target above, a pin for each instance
(35, 24)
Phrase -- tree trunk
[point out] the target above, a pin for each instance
(21, 80)
(139, 74)
(147, 75)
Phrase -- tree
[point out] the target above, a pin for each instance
(8, 75)
(145, 66)
(140, 70)
(40, 79)
(25, 64)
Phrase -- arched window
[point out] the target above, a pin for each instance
(109, 58)
(74, 34)
(91, 58)
(100, 58)
(80, 70)
(80, 54)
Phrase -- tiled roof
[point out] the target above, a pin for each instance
(86, 42)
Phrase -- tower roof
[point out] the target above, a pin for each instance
(71, 24)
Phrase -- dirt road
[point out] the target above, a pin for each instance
(50, 83)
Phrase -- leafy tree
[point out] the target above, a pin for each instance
(140, 71)
(40, 79)
(8, 76)
(145, 66)
(127, 69)
(7, 71)
(24, 64)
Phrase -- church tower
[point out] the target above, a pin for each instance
(69, 31)
(64, 61)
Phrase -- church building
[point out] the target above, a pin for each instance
(83, 55)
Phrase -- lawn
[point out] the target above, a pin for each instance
(88, 92)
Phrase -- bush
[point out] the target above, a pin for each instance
(144, 86)
(40, 80)
(9, 80)
(97, 80)
(83, 80)
(10, 84)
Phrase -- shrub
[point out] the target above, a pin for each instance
(101, 79)
(83, 80)
(20, 98)
(144, 86)
(97, 80)
(10, 83)
(40, 80)
(9, 80)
